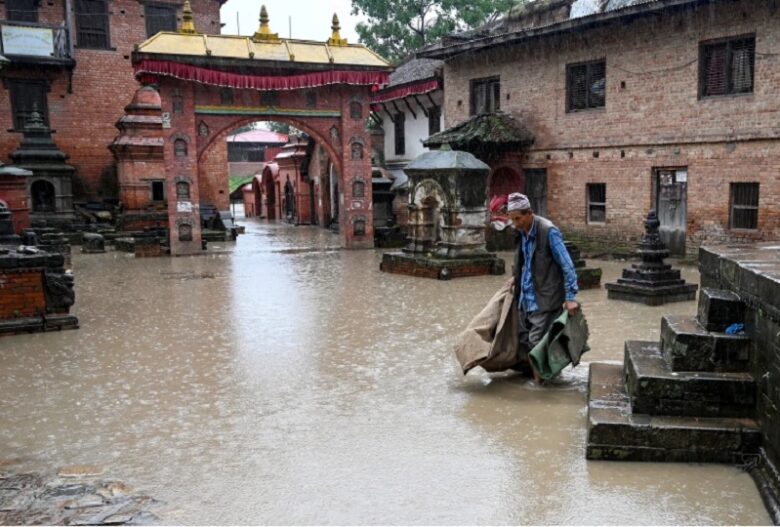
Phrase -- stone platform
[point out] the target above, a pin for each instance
(651, 296)
(441, 268)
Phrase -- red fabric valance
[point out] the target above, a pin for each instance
(258, 82)
(405, 91)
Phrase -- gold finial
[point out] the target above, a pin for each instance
(187, 25)
(264, 32)
(335, 38)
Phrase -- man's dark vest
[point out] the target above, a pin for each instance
(547, 274)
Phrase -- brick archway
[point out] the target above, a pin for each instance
(210, 85)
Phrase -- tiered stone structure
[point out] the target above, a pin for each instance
(587, 277)
(652, 281)
(446, 219)
(50, 186)
(702, 394)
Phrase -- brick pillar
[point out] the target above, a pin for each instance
(13, 191)
(180, 170)
(356, 210)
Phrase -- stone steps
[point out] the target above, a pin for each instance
(656, 390)
(718, 309)
(616, 433)
(688, 346)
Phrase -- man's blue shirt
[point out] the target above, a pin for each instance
(560, 255)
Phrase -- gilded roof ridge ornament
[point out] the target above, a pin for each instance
(187, 24)
(335, 37)
(263, 33)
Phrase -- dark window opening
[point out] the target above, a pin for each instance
(185, 232)
(597, 202)
(182, 190)
(43, 196)
(359, 228)
(586, 86)
(358, 189)
(727, 67)
(311, 99)
(28, 96)
(158, 190)
(355, 110)
(434, 120)
(485, 95)
(400, 134)
(21, 10)
(159, 18)
(744, 206)
(92, 24)
(269, 98)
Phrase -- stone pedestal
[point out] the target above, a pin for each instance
(447, 219)
(587, 277)
(651, 282)
(93, 243)
(37, 292)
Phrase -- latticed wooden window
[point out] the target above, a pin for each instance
(21, 10)
(744, 206)
(28, 96)
(159, 18)
(400, 134)
(586, 85)
(485, 95)
(727, 67)
(597, 202)
(92, 24)
(434, 120)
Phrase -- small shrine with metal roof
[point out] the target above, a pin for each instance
(211, 84)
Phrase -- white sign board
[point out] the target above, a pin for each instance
(184, 206)
(34, 41)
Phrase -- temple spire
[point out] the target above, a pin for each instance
(187, 24)
(264, 31)
(335, 37)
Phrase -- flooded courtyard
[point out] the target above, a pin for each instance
(282, 380)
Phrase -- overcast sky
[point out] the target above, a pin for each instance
(310, 18)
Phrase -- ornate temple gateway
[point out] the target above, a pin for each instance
(208, 86)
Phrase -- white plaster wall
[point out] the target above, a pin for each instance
(416, 130)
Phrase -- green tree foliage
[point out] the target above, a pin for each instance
(396, 29)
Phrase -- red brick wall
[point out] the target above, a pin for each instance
(21, 293)
(653, 118)
(13, 191)
(103, 84)
(213, 176)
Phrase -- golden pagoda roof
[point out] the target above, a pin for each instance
(239, 47)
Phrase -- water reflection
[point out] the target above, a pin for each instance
(280, 380)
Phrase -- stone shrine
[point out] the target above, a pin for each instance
(50, 187)
(652, 281)
(7, 234)
(447, 219)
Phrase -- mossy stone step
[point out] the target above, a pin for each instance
(688, 346)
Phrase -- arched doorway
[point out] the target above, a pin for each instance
(269, 203)
(504, 181)
(257, 195)
(289, 201)
(43, 196)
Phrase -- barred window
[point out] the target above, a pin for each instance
(159, 18)
(28, 96)
(744, 206)
(727, 67)
(21, 10)
(586, 85)
(485, 95)
(92, 24)
(597, 202)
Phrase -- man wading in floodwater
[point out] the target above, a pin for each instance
(544, 277)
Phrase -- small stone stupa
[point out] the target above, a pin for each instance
(652, 281)
(50, 186)
(447, 219)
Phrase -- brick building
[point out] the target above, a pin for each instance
(71, 61)
(635, 104)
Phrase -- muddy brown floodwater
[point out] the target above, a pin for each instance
(285, 381)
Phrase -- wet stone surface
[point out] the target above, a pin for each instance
(33, 499)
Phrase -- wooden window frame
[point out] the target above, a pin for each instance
(152, 183)
(491, 84)
(589, 81)
(590, 203)
(733, 206)
(399, 122)
(30, 19)
(80, 30)
(434, 120)
(13, 89)
(707, 46)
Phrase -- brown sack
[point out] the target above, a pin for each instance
(490, 339)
